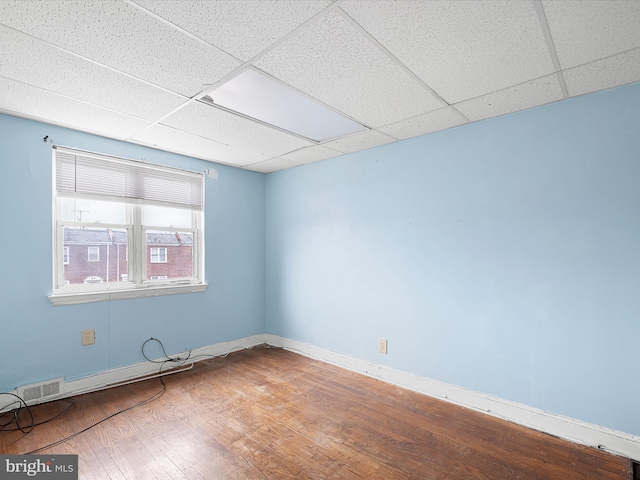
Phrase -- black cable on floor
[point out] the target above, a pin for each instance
(14, 414)
(143, 402)
(139, 404)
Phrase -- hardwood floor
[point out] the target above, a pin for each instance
(272, 414)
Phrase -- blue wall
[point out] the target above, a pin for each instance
(39, 341)
(502, 256)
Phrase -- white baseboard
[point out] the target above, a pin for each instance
(577, 431)
(110, 378)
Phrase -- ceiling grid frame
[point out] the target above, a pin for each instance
(208, 89)
(178, 28)
(86, 59)
(391, 56)
(53, 97)
(509, 87)
(585, 46)
(52, 92)
(542, 18)
(334, 62)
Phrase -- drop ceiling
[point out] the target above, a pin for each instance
(138, 71)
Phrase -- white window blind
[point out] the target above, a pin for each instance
(84, 173)
(106, 210)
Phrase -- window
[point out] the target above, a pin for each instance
(158, 255)
(93, 254)
(132, 228)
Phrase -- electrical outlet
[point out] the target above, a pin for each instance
(88, 337)
(382, 345)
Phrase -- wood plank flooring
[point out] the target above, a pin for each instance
(271, 414)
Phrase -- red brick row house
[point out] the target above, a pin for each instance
(93, 255)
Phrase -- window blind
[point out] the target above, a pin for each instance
(79, 172)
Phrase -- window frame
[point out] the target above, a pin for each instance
(96, 257)
(133, 283)
(158, 255)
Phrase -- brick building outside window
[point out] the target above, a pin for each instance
(94, 255)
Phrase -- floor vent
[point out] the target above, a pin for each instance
(41, 391)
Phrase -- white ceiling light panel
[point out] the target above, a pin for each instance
(258, 96)
(333, 62)
(460, 49)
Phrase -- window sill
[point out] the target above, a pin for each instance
(88, 297)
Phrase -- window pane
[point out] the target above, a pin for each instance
(102, 205)
(84, 210)
(95, 255)
(166, 217)
(158, 255)
(169, 255)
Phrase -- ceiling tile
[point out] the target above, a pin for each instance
(233, 130)
(460, 49)
(587, 30)
(311, 154)
(241, 28)
(333, 62)
(527, 95)
(602, 74)
(271, 165)
(26, 100)
(31, 61)
(177, 141)
(423, 124)
(123, 37)
(359, 141)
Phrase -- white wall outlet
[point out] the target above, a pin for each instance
(382, 345)
(88, 337)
